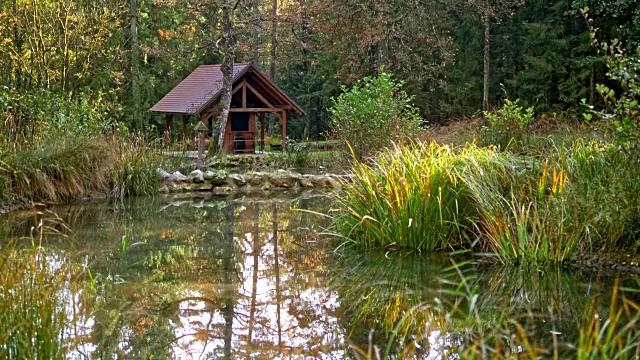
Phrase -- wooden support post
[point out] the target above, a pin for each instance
(167, 129)
(262, 115)
(244, 94)
(284, 130)
(185, 117)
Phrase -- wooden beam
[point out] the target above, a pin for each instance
(262, 131)
(259, 96)
(284, 130)
(244, 93)
(273, 110)
(235, 89)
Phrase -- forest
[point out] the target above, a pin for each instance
(458, 179)
(115, 59)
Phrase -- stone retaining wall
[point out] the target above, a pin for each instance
(221, 182)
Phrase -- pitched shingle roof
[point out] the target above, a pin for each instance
(203, 86)
(196, 90)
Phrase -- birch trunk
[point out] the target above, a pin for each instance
(227, 71)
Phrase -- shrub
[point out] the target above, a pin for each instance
(372, 114)
(507, 125)
(28, 117)
(622, 111)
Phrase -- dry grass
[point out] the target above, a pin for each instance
(456, 132)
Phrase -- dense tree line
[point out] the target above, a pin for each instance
(455, 56)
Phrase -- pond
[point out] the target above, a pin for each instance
(256, 278)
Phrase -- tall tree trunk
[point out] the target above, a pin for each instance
(272, 57)
(487, 54)
(18, 41)
(135, 89)
(256, 34)
(227, 70)
(274, 40)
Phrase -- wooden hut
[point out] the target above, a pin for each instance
(254, 95)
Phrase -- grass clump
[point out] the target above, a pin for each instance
(416, 196)
(36, 304)
(527, 220)
(520, 208)
(604, 193)
(70, 167)
(137, 170)
(32, 312)
(60, 169)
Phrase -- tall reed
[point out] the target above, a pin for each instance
(33, 300)
(60, 169)
(415, 196)
(137, 168)
(520, 208)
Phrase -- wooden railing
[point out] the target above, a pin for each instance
(244, 139)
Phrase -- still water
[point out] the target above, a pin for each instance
(255, 278)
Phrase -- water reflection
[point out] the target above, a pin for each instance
(250, 278)
(434, 306)
(201, 278)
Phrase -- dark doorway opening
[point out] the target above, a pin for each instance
(240, 121)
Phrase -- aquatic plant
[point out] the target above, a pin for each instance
(520, 208)
(487, 314)
(137, 168)
(415, 196)
(36, 306)
(69, 167)
(32, 313)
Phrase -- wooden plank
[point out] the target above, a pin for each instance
(259, 96)
(235, 89)
(273, 110)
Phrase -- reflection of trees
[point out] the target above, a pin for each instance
(203, 277)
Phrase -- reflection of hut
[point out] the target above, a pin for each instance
(254, 95)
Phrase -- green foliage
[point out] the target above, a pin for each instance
(622, 111)
(415, 196)
(29, 117)
(32, 306)
(508, 124)
(372, 114)
(137, 169)
(522, 209)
